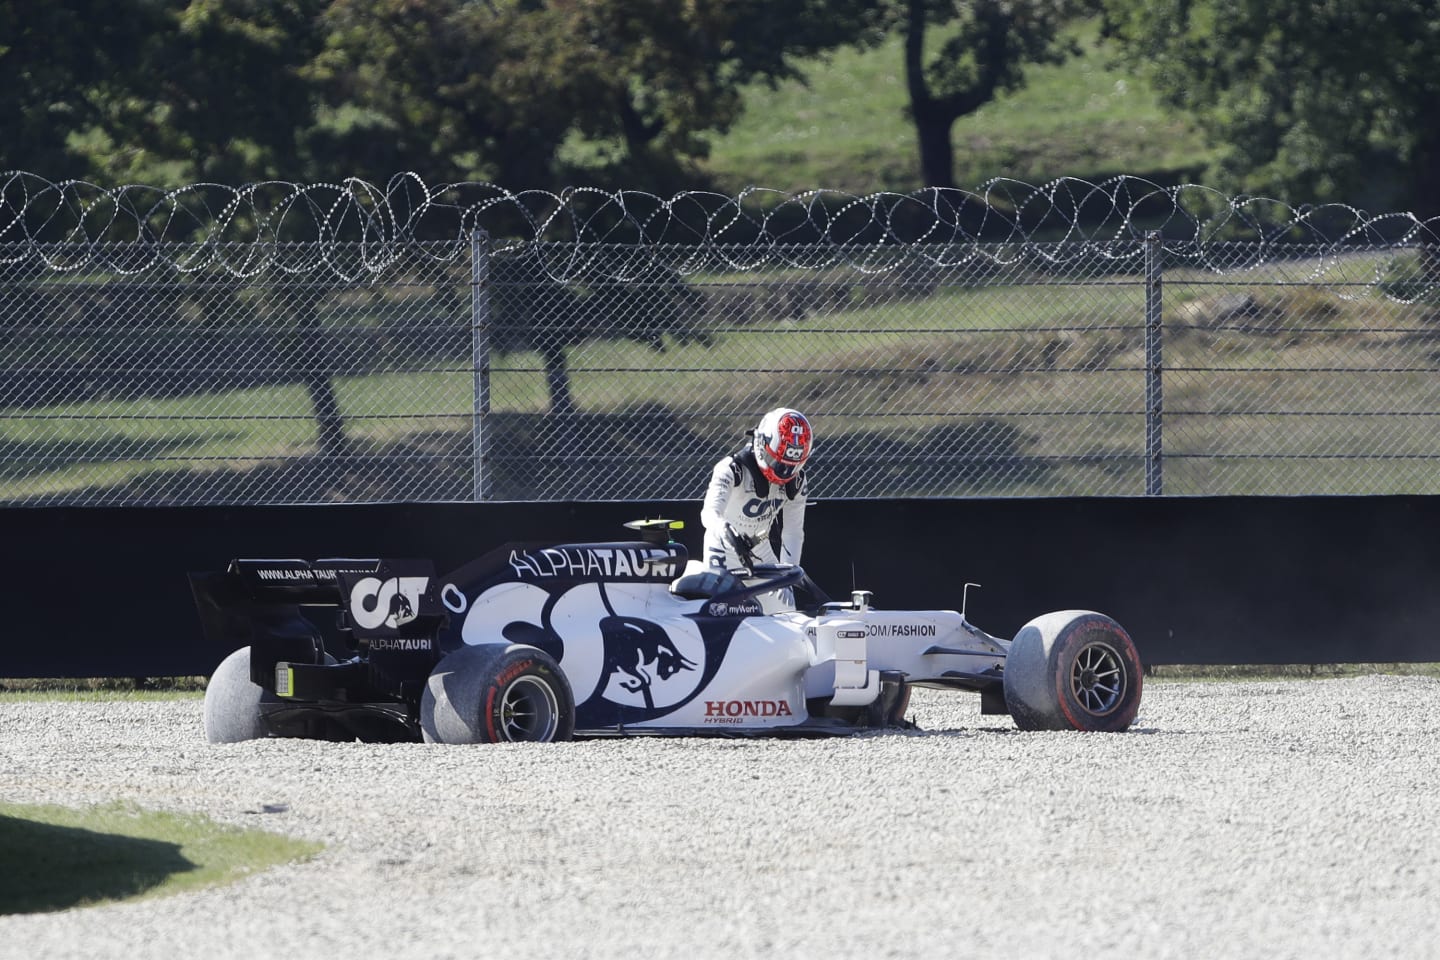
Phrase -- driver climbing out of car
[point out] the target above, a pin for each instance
(754, 489)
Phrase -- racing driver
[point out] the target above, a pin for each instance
(756, 487)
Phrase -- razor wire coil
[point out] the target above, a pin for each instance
(281, 342)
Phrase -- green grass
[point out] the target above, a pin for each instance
(101, 689)
(847, 129)
(56, 858)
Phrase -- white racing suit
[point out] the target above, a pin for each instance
(739, 496)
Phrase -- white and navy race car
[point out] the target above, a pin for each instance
(554, 641)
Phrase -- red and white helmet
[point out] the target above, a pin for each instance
(782, 444)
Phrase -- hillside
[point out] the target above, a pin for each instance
(847, 129)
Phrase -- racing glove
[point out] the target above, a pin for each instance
(743, 546)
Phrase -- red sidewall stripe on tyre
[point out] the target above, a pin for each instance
(1126, 650)
(489, 713)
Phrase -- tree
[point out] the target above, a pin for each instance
(55, 61)
(666, 75)
(1328, 101)
(220, 95)
(168, 92)
(443, 87)
(991, 43)
(493, 90)
(617, 296)
(163, 92)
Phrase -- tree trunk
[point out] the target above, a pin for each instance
(314, 371)
(937, 153)
(935, 113)
(329, 425)
(1425, 174)
(638, 134)
(933, 117)
(557, 380)
(1425, 171)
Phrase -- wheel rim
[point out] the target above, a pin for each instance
(529, 711)
(1097, 679)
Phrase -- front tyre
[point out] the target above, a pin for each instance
(1073, 670)
(497, 693)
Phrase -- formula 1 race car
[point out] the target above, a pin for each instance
(549, 642)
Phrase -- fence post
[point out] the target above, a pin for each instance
(1154, 368)
(480, 361)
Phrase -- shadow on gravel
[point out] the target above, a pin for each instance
(925, 732)
(45, 867)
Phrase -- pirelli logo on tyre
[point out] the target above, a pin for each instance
(511, 672)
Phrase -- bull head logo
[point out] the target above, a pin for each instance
(639, 651)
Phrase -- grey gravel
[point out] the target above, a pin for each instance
(1238, 819)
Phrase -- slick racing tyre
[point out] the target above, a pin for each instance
(497, 693)
(1072, 670)
(232, 702)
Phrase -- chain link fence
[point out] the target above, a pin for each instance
(342, 343)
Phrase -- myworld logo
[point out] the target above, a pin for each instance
(734, 608)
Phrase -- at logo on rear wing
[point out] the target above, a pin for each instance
(384, 602)
(376, 603)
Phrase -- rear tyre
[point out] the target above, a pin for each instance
(1073, 670)
(497, 693)
(232, 702)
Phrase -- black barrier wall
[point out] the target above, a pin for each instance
(95, 592)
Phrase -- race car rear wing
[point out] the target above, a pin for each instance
(254, 600)
(296, 581)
